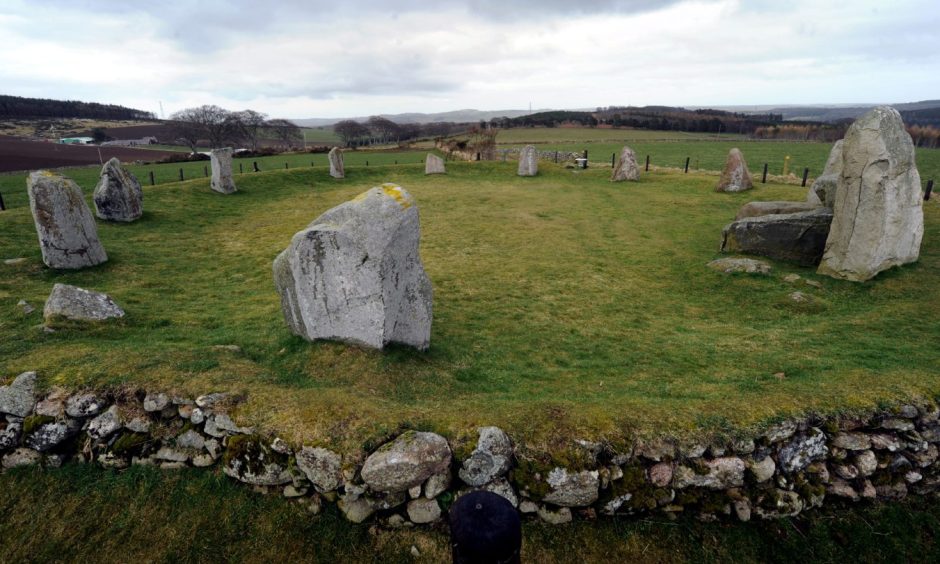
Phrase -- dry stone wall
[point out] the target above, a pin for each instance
(791, 467)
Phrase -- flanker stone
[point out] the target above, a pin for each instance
(355, 275)
(222, 181)
(433, 164)
(796, 237)
(528, 161)
(878, 216)
(757, 209)
(68, 236)
(823, 191)
(78, 304)
(337, 170)
(406, 462)
(626, 168)
(118, 196)
(734, 177)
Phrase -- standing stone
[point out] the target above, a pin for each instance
(433, 164)
(222, 181)
(528, 161)
(878, 218)
(355, 275)
(337, 170)
(67, 232)
(118, 196)
(627, 168)
(735, 176)
(823, 190)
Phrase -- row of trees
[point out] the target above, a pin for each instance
(17, 107)
(219, 127)
(378, 130)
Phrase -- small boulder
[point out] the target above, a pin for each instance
(118, 196)
(626, 168)
(68, 236)
(337, 170)
(757, 209)
(222, 181)
(106, 424)
(717, 474)
(355, 274)
(84, 405)
(251, 460)
(734, 177)
(20, 457)
(406, 462)
(19, 398)
(743, 265)
(46, 436)
(528, 161)
(324, 468)
(490, 459)
(433, 164)
(78, 304)
(422, 511)
(156, 402)
(803, 449)
(795, 237)
(572, 489)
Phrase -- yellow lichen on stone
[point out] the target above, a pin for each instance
(395, 192)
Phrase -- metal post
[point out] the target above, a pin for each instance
(687, 164)
(285, 166)
(763, 179)
(926, 192)
(613, 158)
(181, 175)
(240, 169)
(255, 163)
(205, 170)
(647, 163)
(3, 206)
(805, 174)
(556, 157)
(151, 178)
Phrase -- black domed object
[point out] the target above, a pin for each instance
(485, 528)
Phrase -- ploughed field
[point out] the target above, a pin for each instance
(22, 154)
(565, 307)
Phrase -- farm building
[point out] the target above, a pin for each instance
(76, 141)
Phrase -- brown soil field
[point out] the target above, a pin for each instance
(158, 130)
(22, 154)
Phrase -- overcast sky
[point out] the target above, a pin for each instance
(359, 57)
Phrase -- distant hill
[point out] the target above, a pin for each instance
(922, 113)
(17, 107)
(456, 116)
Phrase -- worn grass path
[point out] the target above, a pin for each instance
(565, 307)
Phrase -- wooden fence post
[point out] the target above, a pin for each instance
(805, 174)
(687, 164)
(151, 178)
(926, 192)
(205, 170)
(255, 163)
(763, 179)
(3, 206)
(240, 169)
(613, 160)
(181, 175)
(647, 163)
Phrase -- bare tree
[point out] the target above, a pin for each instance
(351, 132)
(285, 131)
(248, 126)
(207, 122)
(384, 129)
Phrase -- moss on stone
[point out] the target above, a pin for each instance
(253, 452)
(129, 442)
(33, 422)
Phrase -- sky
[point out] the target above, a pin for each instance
(341, 58)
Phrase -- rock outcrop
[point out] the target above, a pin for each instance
(78, 304)
(626, 168)
(355, 275)
(118, 196)
(528, 161)
(337, 169)
(878, 217)
(433, 164)
(222, 181)
(68, 236)
(734, 177)
(795, 237)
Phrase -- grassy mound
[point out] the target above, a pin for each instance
(565, 307)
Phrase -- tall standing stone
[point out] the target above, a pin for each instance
(878, 218)
(433, 164)
(222, 181)
(735, 176)
(355, 275)
(626, 168)
(528, 161)
(337, 170)
(823, 191)
(118, 196)
(68, 236)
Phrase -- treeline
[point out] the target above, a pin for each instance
(16, 107)
(662, 118)
(922, 135)
(216, 127)
(382, 131)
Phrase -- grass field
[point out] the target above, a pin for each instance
(704, 152)
(565, 307)
(320, 136)
(148, 515)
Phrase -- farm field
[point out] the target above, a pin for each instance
(704, 152)
(19, 154)
(566, 307)
(149, 515)
(320, 136)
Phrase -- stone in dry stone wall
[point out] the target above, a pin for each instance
(337, 169)
(491, 458)
(78, 304)
(528, 161)
(406, 462)
(878, 216)
(824, 188)
(734, 177)
(222, 180)
(626, 168)
(118, 196)
(355, 275)
(796, 237)
(250, 459)
(68, 236)
(572, 489)
(433, 164)
(19, 398)
(322, 467)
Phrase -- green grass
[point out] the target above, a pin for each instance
(320, 136)
(704, 152)
(565, 306)
(85, 514)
